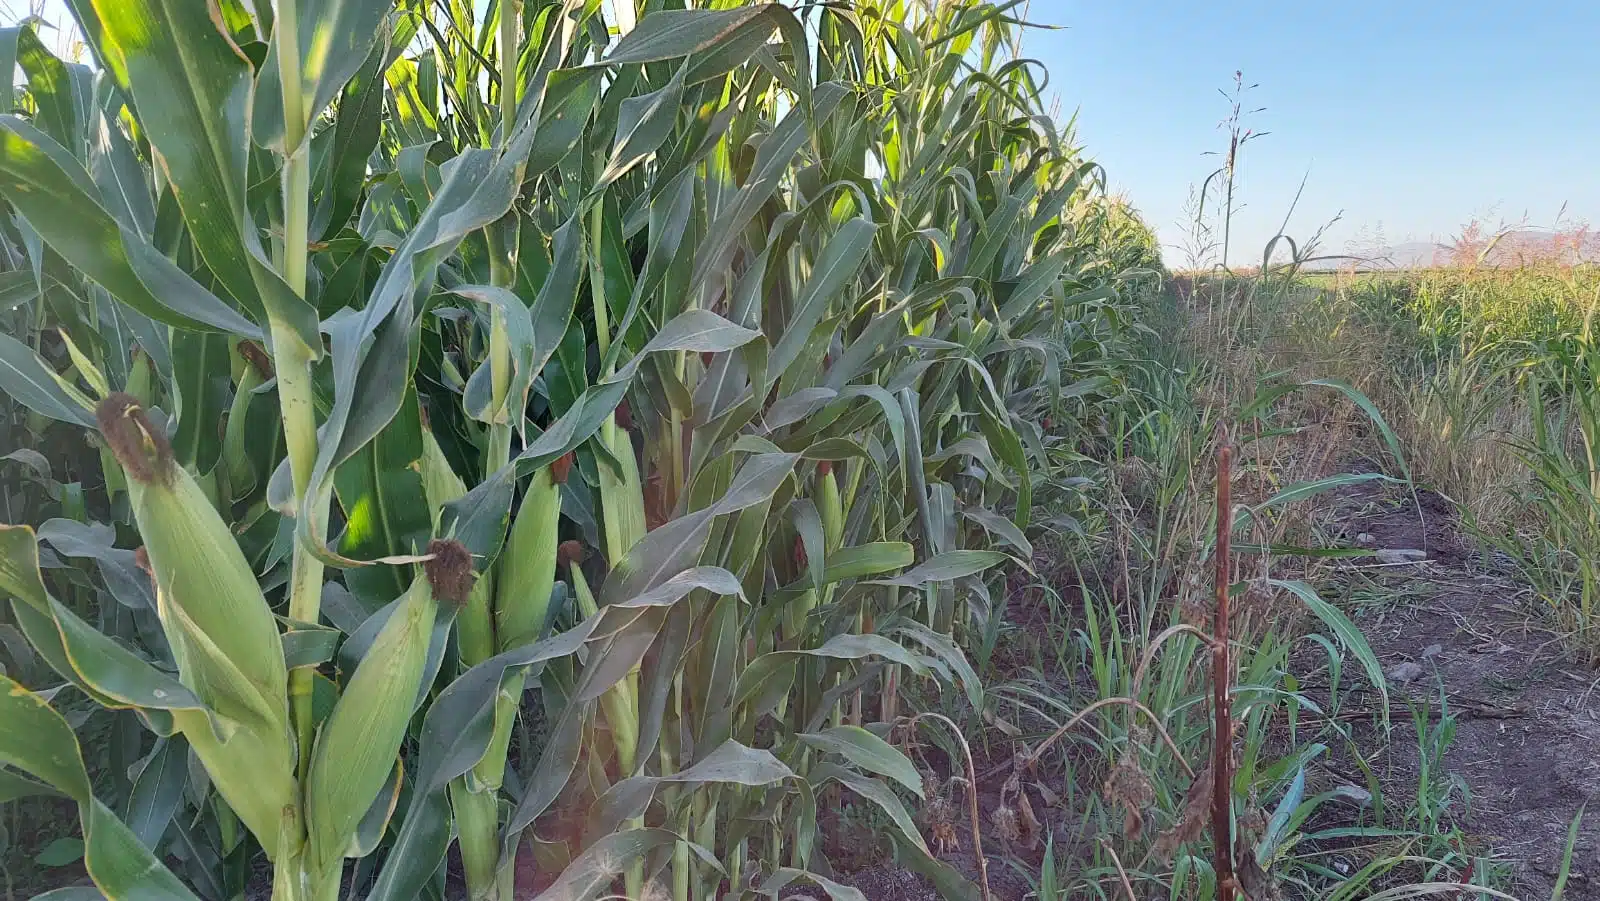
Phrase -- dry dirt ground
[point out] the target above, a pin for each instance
(1527, 733)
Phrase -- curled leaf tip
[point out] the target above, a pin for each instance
(449, 571)
(141, 448)
(569, 553)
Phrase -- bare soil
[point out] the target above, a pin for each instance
(1527, 733)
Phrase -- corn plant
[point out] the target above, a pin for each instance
(683, 365)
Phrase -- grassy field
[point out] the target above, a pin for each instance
(1487, 378)
(1491, 376)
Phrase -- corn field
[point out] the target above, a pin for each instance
(563, 430)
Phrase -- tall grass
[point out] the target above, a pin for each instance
(1496, 370)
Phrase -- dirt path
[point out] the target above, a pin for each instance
(1527, 731)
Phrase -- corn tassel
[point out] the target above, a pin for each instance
(217, 621)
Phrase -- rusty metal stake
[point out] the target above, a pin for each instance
(1222, 736)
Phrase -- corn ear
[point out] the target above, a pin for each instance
(356, 749)
(217, 621)
(830, 508)
(527, 570)
(621, 493)
(141, 378)
(255, 370)
(475, 625)
(440, 484)
(192, 554)
(490, 770)
(524, 577)
(477, 815)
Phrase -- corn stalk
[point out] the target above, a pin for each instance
(749, 314)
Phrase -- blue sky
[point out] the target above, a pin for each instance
(1416, 116)
(1411, 117)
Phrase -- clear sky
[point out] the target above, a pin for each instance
(1410, 115)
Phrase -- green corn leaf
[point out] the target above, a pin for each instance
(1344, 630)
(772, 161)
(118, 567)
(487, 507)
(455, 733)
(8, 63)
(841, 258)
(672, 34)
(946, 567)
(38, 741)
(336, 37)
(730, 763)
(355, 134)
(31, 382)
(869, 752)
(1300, 491)
(563, 114)
(192, 88)
(62, 92)
(874, 791)
(944, 649)
(870, 559)
(157, 791)
(643, 125)
(14, 786)
(519, 330)
(386, 509)
(107, 670)
(200, 369)
(783, 877)
(588, 877)
(114, 165)
(57, 195)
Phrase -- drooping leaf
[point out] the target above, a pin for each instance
(335, 39)
(192, 88)
(30, 382)
(38, 741)
(42, 180)
(946, 567)
(869, 752)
